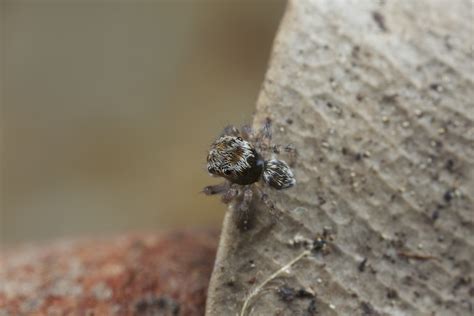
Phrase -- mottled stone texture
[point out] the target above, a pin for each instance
(377, 97)
(159, 274)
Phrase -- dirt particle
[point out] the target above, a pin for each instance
(230, 282)
(389, 98)
(436, 87)
(379, 20)
(392, 294)
(286, 293)
(302, 293)
(449, 165)
(312, 308)
(462, 282)
(448, 195)
(362, 265)
(152, 305)
(367, 309)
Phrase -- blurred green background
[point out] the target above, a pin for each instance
(108, 109)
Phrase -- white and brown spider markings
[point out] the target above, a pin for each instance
(238, 156)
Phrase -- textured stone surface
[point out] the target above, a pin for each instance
(377, 97)
(159, 274)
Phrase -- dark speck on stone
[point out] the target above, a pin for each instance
(312, 308)
(435, 87)
(448, 196)
(392, 294)
(367, 309)
(362, 265)
(302, 293)
(286, 294)
(449, 165)
(380, 20)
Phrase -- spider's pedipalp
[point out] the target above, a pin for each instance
(247, 132)
(243, 209)
(230, 130)
(216, 189)
(278, 175)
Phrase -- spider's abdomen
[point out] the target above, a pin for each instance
(235, 159)
(278, 174)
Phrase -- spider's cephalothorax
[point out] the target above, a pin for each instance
(235, 159)
(238, 156)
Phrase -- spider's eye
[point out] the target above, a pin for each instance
(239, 138)
(227, 172)
(211, 169)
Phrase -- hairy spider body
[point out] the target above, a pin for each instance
(237, 156)
(235, 159)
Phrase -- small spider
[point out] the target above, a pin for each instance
(238, 157)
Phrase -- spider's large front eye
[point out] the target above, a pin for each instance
(227, 172)
(278, 175)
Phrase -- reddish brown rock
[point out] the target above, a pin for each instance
(154, 274)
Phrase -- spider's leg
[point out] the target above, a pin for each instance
(266, 131)
(268, 203)
(264, 136)
(230, 194)
(290, 149)
(244, 207)
(230, 130)
(216, 189)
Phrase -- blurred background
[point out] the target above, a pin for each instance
(108, 109)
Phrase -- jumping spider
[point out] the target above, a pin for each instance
(237, 156)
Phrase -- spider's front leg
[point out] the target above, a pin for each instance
(264, 198)
(231, 193)
(230, 130)
(290, 149)
(243, 208)
(269, 204)
(263, 138)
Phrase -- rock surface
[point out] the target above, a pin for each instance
(377, 97)
(154, 274)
